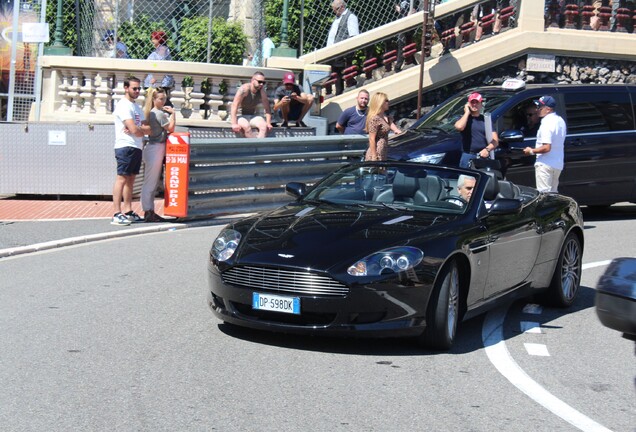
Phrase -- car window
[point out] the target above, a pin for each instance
(400, 187)
(598, 112)
(445, 117)
(518, 117)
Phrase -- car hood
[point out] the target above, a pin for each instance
(322, 235)
(414, 143)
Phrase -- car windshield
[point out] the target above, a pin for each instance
(445, 116)
(401, 187)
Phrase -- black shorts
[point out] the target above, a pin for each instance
(294, 111)
(128, 160)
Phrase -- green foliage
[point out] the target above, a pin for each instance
(223, 87)
(69, 36)
(193, 38)
(187, 81)
(274, 19)
(136, 36)
(228, 40)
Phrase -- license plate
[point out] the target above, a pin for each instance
(276, 303)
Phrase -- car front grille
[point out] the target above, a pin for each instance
(287, 281)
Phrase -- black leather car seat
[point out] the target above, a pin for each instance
(508, 190)
(404, 189)
(433, 187)
(492, 186)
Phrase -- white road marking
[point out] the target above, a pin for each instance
(537, 349)
(533, 309)
(499, 356)
(596, 264)
(530, 327)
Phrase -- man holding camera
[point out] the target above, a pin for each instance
(291, 102)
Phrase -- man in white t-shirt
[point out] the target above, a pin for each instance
(130, 127)
(549, 147)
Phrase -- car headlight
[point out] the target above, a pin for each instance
(386, 261)
(429, 158)
(225, 244)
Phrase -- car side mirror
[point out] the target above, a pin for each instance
(505, 206)
(511, 136)
(296, 189)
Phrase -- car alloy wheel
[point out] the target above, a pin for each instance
(443, 310)
(567, 274)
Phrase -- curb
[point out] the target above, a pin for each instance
(71, 241)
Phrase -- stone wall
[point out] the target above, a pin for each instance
(568, 71)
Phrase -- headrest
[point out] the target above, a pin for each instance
(492, 186)
(404, 186)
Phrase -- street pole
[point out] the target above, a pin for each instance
(423, 56)
(58, 47)
(284, 50)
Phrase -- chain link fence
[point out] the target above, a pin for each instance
(371, 14)
(212, 31)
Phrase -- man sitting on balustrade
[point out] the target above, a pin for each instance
(248, 97)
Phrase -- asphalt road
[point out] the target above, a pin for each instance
(116, 335)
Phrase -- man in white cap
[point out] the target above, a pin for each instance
(549, 146)
(291, 102)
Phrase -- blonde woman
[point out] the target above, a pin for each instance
(161, 119)
(378, 126)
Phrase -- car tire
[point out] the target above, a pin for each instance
(442, 312)
(567, 274)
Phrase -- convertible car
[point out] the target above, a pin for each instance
(394, 249)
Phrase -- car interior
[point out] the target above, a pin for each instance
(418, 188)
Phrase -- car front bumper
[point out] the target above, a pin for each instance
(383, 309)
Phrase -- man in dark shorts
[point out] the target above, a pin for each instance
(291, 102)
(130, 127)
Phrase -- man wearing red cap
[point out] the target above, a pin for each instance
(549, 146)
(292, 103)
(472, 126)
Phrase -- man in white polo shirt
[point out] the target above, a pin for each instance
(549, 147)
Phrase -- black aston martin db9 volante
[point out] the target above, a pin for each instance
(395, 249)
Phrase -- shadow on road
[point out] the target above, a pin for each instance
(468, 339)
(611, 213)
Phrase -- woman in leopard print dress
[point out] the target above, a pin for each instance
(378, 126)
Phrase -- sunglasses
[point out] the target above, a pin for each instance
(261, 82)
(136, 88)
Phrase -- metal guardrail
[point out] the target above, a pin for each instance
(249, 175)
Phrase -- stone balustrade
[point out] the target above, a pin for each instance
(86, 89)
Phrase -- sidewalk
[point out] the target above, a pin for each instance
(12, 209)
(28, 226)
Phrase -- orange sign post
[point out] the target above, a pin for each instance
(177, 169)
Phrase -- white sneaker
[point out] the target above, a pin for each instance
(120, 219)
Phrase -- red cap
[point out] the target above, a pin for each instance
(289, 78)
(475, 96)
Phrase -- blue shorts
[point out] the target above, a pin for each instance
(128, 160)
